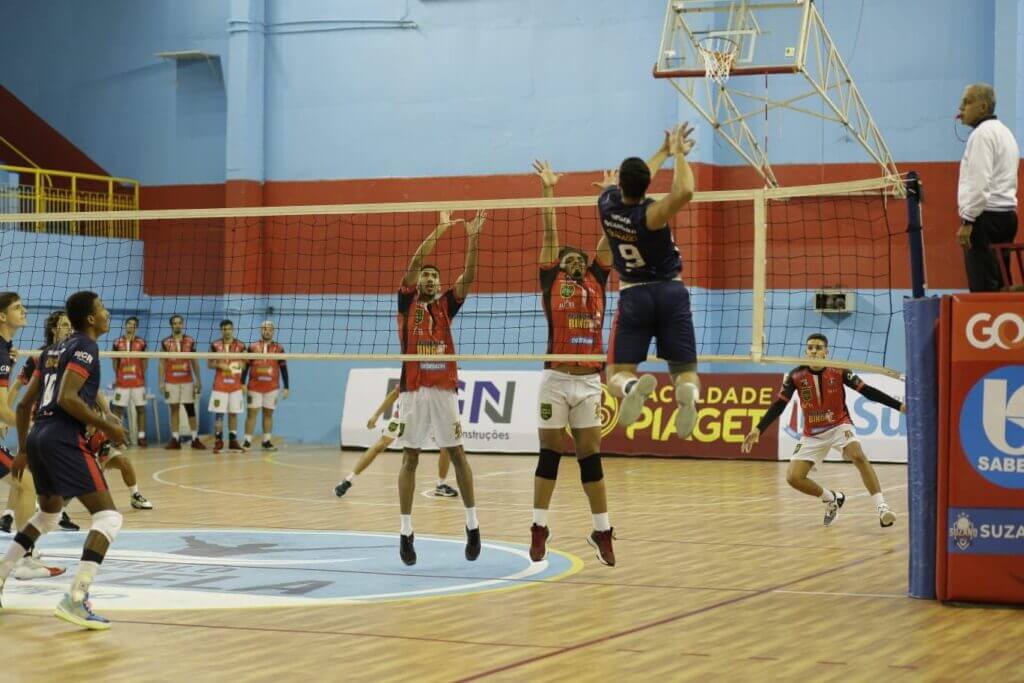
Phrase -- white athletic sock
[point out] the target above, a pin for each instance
(827, 496)
(86, 573)
(351, 476)
(9, 512)
(878, 499)
(248, 438)
(621, 383)
(601, 522)
(175, 436)
(142, 435)
(406, 524)
(440, 482)
(195, 435)
(471, 521)
(540, 517)
(134, 489)
(268, 437)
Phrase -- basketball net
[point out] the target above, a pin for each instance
(718, 54)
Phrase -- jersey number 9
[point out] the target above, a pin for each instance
(631, 255)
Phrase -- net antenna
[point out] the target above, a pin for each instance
(706, 44)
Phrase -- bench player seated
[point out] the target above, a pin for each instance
(827, 425)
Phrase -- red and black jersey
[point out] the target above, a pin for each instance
(425, 328)
(129, 370)
(822, 396)
(574, 310)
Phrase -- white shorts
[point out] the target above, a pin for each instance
(568, 400)
(428, 410)
(815, 448)
(125, 396)
(179, 393)
(225, 402)
(262, 399)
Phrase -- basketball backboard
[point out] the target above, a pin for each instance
(767, 36)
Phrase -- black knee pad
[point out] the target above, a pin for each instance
(190, 409)
(547, 464)
(590, 469)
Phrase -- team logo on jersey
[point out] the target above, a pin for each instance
(568, 289)
(963, 532)
(419, 315)
(805, 394)
(609, 411)
(84, 356)
(5, 369)
(545, 411)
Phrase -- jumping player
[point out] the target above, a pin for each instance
(654, 302)
(130, 378)
(389, 433)
(227, 395)
(265, 378)
(428, 400)
(827, 425)
(573, 296)
(65, 386)
(180, 382)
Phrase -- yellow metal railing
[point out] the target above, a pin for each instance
(62, 191)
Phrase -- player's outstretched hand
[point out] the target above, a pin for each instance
(445, 221)
(548, 178)
(680, 140)
(115, 432)
(609, 179)
(752, 438)
(474, 226)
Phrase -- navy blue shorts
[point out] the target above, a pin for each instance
(6, 459)
(660, 311)
(61, 462)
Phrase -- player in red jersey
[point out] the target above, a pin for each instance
(827, 425)
(265, 378)
(428, 389)
(180, 382)
(130, 378)
(573, 297)
(227, 395)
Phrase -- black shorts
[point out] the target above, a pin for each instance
(6, 459)
(659, 311)
(61, 462)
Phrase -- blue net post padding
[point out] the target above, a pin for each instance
(921, 317)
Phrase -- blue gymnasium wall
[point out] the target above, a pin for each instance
(477, 87)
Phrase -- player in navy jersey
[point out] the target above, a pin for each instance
(827, 425)
(653, 303)
(56, 451)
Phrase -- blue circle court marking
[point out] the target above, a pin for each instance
(992, 426)
(234, 568)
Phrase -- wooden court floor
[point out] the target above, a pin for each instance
(724, 573)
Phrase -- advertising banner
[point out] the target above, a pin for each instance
(980, 545)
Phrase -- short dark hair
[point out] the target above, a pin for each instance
(8, 298)
(634, 177)
(79, 307)
(819, 336)
(172, 318)
(225, 322)
(569, 249)
(130, 319)
(431, 266)
(50, 326)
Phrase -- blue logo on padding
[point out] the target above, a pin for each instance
(209, 569)
(986, 531)
(992, 427)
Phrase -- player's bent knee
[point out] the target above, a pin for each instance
(590, 469)
(107, 523)
(547, 464)
(45, 522)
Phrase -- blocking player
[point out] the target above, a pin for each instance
(428, 389)
(265, 378)
(130, 378)
(654, 302)
(65, 385)
(180, 383)
(827, 425)
(573, 296)
(227, 395)
(389, 433)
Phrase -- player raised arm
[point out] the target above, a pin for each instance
(680, 144)
(657, 160)
(603, 253)
(548, 180)
(427, 247)
(384, 406)
(465, 280)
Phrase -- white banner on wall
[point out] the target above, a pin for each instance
(882, 431)
(498, 409)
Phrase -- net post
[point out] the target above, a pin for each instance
(915, 235)
(760, 275)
